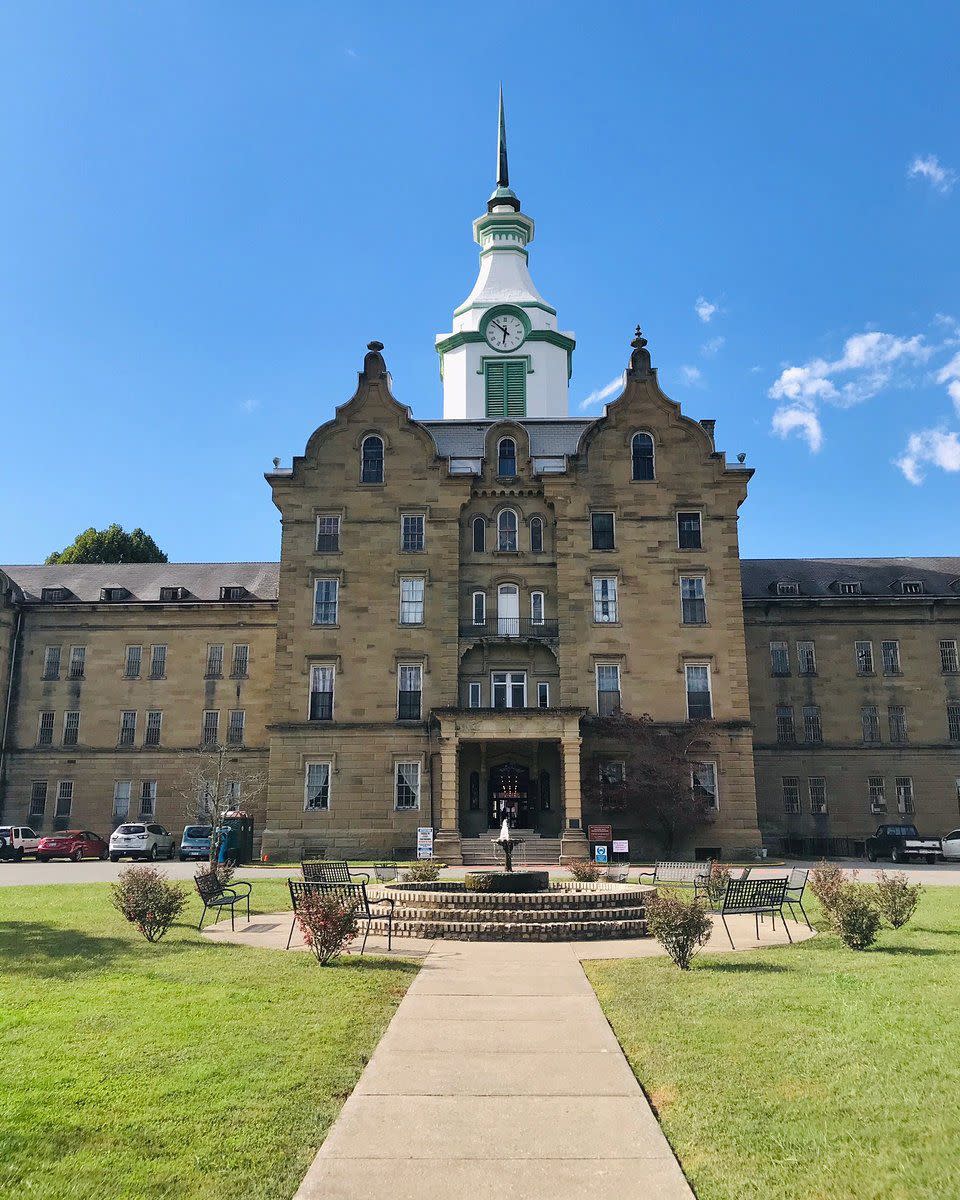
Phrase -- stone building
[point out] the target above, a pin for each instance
(453, 597)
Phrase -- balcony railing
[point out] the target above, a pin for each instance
(510, 627)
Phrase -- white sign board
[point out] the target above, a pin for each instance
(425, 841)
(621, 847)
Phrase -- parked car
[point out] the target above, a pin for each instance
(901, 843)
(195, 842)
(141, 841)
(950, 845)
(17, 840)
(72, 843)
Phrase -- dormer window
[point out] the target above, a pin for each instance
(850, 588)
(788, 588)
(173, 593)
(112, 594)
(371, 460)
(232, 592)
(642, 452)
(54, 595)
(911, 587)
(507, 458)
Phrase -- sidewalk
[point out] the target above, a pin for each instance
(497, 1077)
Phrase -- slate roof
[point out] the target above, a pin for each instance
(819, 577)
(464, 439)
(143, 581)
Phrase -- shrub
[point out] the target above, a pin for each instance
(826, 882)
(897, 899)
(424, 870)
(504, 881)
(854, 915)
(680, 926)
(148, 900)
(584, 870)
(328, 923)
(717, 882)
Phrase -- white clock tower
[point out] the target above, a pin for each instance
(505, 356)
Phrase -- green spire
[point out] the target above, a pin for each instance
(503, 195)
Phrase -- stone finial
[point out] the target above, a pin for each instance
(373, 365)
(640, 355)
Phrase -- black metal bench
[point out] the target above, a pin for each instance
(680, 874)
(757, 896)
(332, 871)
(796, 882)
(215, 894)
(348, 893)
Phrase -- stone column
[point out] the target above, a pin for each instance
(573, 842)
(446, 841)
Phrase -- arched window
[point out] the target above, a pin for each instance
(536, 535)
(371, 459)
(507, 457)
(507, 530)
(642, 446)
(479, 535)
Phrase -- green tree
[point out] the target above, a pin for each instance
(110, 545)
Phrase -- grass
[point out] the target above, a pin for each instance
(812, 1071)
(182, 1069)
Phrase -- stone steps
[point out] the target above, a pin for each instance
(468, 914)
(518, 931)
(535, 851)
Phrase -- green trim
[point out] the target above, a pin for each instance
(499, 310)
(513, 304)
(550, 336)
(456, 340)
(505, 250)
(505, 387)
(489, 358)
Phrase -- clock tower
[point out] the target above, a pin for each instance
(505, 356)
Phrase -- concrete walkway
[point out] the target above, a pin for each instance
(497, 1077)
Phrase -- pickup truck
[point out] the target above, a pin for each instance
(17, 840)
(902, 843)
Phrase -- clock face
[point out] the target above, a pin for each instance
(505, 332)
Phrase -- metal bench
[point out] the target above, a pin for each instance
(757, 896)
(386, 872)
(680, 874)
(617, 872)
(348, 893)
(332, 871)
(215, 894)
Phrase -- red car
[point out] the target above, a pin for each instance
(72, 843)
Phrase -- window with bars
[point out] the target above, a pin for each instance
(214, 661)
(325, 601)
(864, 656)
(689, 532)
(51, 662)
(890, 652)
(791, 793)
(953, 722)
(236, 720)
(321, 693)
(45, 729)
(897, 722)
(154, 724)
(371, 460)
(64, 798)
(407, 785)
(158, 662)
(148, 797)
(38, 799)
(693, 600)
(818, 795)
(605, 608)
(131, 666)
(699, 699)
(128, 727)
(779, 658)
(410, 691)
(911, 587)
(704, 781)
(316, 787)
(806, 658)
(949, 660)
(507, 531)
(78, 662)
(870, 723)
(641, 449)
(210, 730)
(877, 793)
(411, 601)
(849, 588)
(613, 772)
(905, 794)
(71, 728)
(505, 389)
(608, 689)
(328, 533)
(786, 733)
(812, 727)
(536, 535)
(241, 661)
(479, 534)
(787, 587)
(121, 800)
(602, 531)
(412, 532)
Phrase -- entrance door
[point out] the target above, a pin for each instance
(510, 796)
(508, 610)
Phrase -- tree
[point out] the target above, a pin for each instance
(214, 779)
(110, 545)
(656, 784)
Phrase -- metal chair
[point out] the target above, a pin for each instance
(796, 882)
(214, 894)
(348, 893)
(756, 896)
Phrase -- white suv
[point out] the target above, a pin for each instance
(17, 840)
(141, 841)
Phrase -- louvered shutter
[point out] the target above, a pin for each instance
(506, 388)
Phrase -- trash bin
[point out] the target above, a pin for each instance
(236, 838)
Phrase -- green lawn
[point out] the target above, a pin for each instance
(181, 1069)
(813, 1071)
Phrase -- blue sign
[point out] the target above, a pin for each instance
(600, 854)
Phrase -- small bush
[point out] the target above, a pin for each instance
(584, 870)
(148, 900)
(897, 899)
(680, 926)
(717, 882)
(506, 881)
(855, 916)
(328, 923)
(424, 870)
(826, 882)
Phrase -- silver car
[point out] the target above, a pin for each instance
(141, 841)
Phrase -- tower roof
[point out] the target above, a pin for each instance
(502, 195)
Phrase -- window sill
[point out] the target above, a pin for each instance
(244, 676)
(695, 624)
(325, 625)
(507, 553)
(219, 675)
(156, 678)
(608, 624)
(806, 674)
(419, 550)
(317, 550)
(693, 549)
(49, 678)
(603, 549)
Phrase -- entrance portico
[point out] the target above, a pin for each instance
(519, 765)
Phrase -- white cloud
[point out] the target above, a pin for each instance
(755, 370)
(705, 309)
(601, 394)
(691, 375)
(930, 447)
(950, 375)
(250, 404)
(869, 357)
(799, 419)
(930, 168)
(712, 345)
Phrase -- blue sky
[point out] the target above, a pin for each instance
(208, 209)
